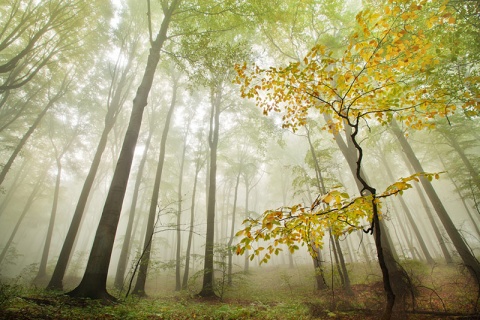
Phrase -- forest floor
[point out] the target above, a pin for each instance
(270, 292)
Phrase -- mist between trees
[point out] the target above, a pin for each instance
(174, 146)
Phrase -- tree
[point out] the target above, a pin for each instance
(122, 260)
(118, 90)
(383, 72)
(139, 288)
(59, 153)
(94, 281)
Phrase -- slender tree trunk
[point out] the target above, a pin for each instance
(198, 166)
(208, 278)
(232, 231)
(94, 281)
(178, 261)
(468, 258)
(147, 242)
(317, 261)
(42, 271)
(246, 262)
(125, 252)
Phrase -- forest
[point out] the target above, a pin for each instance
(239, 159)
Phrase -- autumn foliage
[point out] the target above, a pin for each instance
(387, 70)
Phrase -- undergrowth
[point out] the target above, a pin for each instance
(271, 292)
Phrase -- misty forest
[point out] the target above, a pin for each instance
(239, 159)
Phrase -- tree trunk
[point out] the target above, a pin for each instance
(114, 106)
(125, 252)
(94, 281)
(139, 288)
(208, 267)
(42, 271)
(232, 231)
(178, 261)
(468, 258)
(198, 166)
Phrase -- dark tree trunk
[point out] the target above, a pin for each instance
(94, 281)
(114, 106)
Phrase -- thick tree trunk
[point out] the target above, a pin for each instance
(114, 106)
(468, 258)
(139, 288)
(94, 281)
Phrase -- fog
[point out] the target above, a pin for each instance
(135, 132)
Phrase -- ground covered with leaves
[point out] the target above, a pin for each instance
(271, 292)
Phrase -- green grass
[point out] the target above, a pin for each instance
(269, 292)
